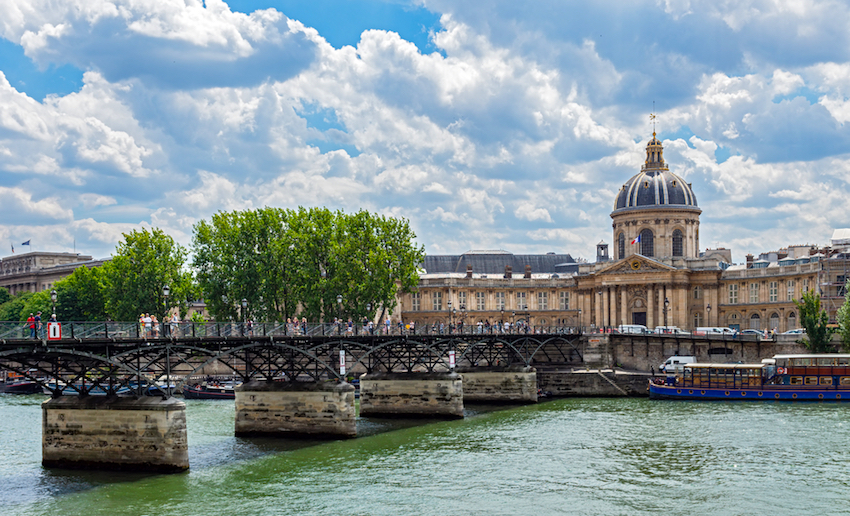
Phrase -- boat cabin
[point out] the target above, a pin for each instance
(814, 370)
(723, 376)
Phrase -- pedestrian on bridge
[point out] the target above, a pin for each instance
(31, 323)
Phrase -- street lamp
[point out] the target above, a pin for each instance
(166, 291)
(708, 308)
(452, 319)
(513, 316)
(53, 297)
(339, 312)
(244, 307)
(666, 306)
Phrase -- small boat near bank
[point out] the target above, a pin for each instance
(803, 377)
(210, 391)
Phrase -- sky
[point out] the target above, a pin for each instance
(491, 124)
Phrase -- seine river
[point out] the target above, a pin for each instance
(572, 456)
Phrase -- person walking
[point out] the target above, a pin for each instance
(38, 326)
(31, 323)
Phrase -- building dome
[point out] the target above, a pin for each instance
(655, 186)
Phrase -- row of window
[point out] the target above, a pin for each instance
(754, 290)
(499, 301)
(646, 243)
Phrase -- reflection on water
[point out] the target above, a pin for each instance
(583, 456)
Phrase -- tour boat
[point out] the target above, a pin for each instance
(76, 388)
(209, 392)
(15, 383)
(816, 377)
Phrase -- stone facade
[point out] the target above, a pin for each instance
(37, 271)
(145, 434)
(514, 384)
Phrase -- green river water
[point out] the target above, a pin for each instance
(571, 456)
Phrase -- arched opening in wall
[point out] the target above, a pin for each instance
(678, 238)
(621, 246)
(733, 321)
(755, 322)
(774, 321)
(792, 321)
(647, 245)
(697, 319)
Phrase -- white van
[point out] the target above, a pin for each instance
(633, 328)
(675, 365)
(669, 330)
(714, 330)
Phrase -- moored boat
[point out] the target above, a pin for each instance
(817, 377)
(209, 392)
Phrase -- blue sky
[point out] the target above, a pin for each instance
(489, 125)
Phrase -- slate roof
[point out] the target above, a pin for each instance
(494, 263)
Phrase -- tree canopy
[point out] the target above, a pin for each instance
(82, 295)
(815, 320)
(287, 263)
(145, 262)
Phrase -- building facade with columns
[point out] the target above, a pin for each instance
(37, 271)
(655, 275)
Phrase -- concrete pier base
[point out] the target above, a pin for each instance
(295, 409)
(412, 394)
(514, 384)
(114, 433)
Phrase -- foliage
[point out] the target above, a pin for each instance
(82, 295)
(38, 302)
(844, 319)
(144, 263)
(15, 308)
(287, 263)
(4, 295)
(815, 320)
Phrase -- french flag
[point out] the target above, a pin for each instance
(636, 240)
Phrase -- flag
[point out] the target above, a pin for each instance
(636, 240)
(13, 248)
(26, 243)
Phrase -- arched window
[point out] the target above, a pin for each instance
(755, 322)
(774, 321)
(621, 246)
(647, 247)
(792, 321)
(677, 243)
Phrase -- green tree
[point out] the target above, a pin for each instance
(815, 320)
(844, 319)
(288, 263)
(82, 295)
(15, 308)
(4, 295)
(144, 263)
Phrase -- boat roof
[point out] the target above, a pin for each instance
(725, 366)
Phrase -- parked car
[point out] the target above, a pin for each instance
(795, 331)
(760, 333)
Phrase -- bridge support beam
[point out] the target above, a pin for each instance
(114, 433)
(412, 394)
(295, 409)
(514, 384)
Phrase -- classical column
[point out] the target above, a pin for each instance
(597, 303)
(606, 318)
(650, 307)
(624, 310)
(682, 294)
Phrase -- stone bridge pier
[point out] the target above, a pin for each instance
(118, 433)
(295, 409)
(511, 384)
(437, 395)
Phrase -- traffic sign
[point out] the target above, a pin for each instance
(54, 331)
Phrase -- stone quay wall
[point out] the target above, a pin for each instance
(295, 409)
(593, 383)
(412, 394)
(145, 434)
(509, 384)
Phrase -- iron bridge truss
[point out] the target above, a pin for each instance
(150, 366)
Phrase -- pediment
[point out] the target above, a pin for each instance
(636, 264)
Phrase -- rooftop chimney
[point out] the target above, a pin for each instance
(749, 261)
(508, 271)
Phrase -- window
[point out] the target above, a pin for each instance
(733, 294)
(811, 380)
(500, 300)
(436, 301)
(697, 319)
(774, 291)
(646, 243)
(805, 284)
(416, 297)
(826, 380)
(842, 281)
(677, 243)
(461, 300)
(621, 246)
(792, 321)
(791, 285)
(542, 300)
(521, 301)
(698, 292)
(774, 321)
(796, 380)
(755, 322)
(754, 292)
(565, 300)
(845, 380)
(479, 301)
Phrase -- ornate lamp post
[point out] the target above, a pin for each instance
(449, 305)
(513, 317)
(166, 291)
(339, 313)
(502, 319)
(53, 297)
(244, 309)
(451, 321)
(708, 308)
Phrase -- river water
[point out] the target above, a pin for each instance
(571, 456)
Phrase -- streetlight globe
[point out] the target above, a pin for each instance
(53, 295)
(244, 302)
(339, 299)
(166, 290)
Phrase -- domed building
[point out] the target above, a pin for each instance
(656, 276)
